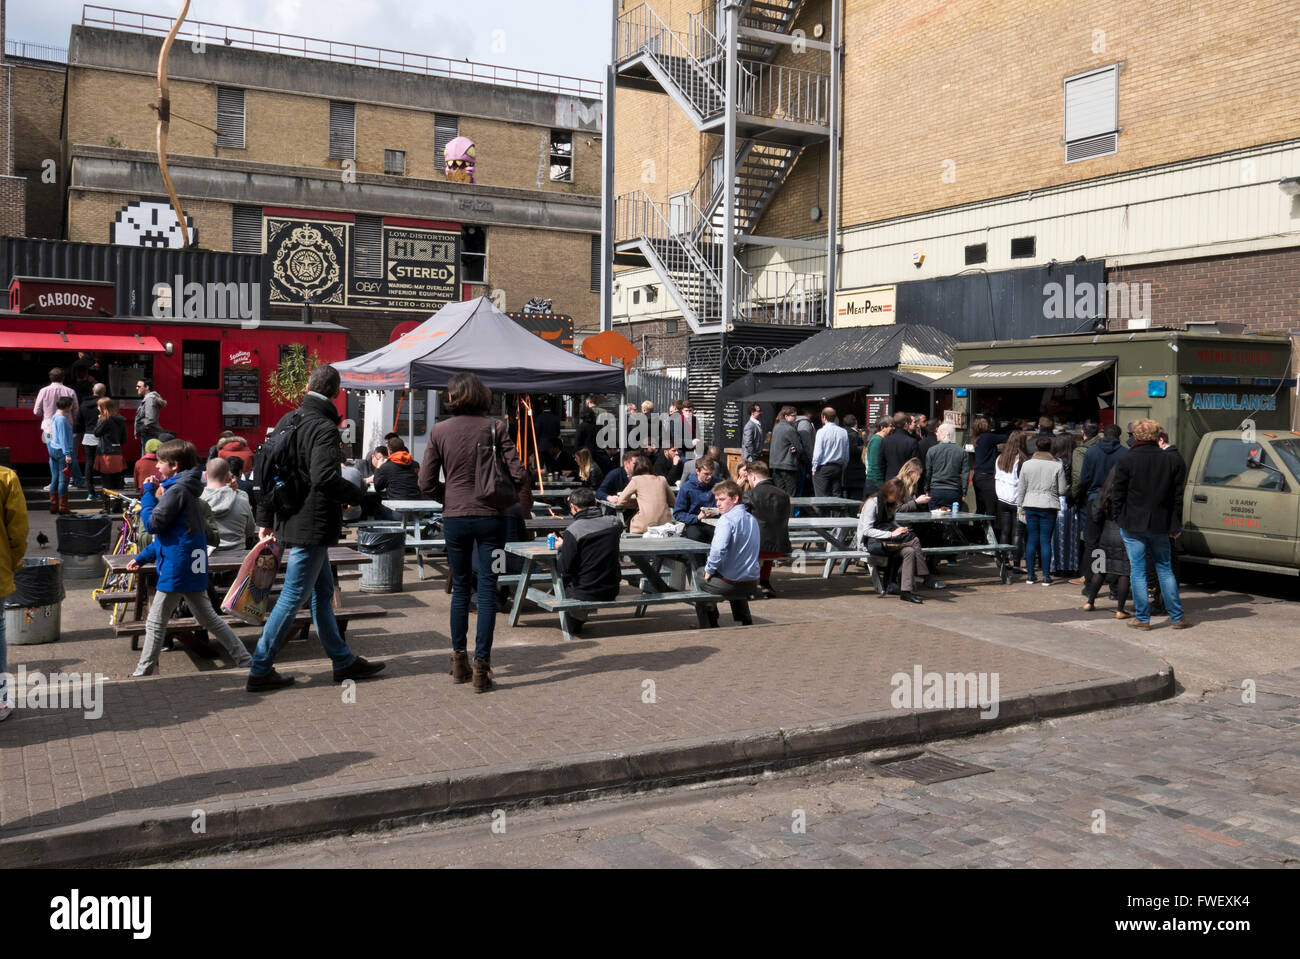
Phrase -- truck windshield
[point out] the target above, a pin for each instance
(1288, 451)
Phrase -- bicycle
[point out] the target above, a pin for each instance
(127, 544)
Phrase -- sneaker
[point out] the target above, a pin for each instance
(144, 670)
(1030, 581)
(45, 488)
(5, 711)
(1047, 582)
(268, 683)
(360, 669)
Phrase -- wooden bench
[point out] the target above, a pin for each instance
(694, 597)
(301, 623)
(106, 600)
(843, 557)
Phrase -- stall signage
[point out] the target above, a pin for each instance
(240, 358)
(240, 397)
(877, 406)
(1234, 401)
(61, 297)
(326, 261)
(871, 306)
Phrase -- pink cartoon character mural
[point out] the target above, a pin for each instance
(459, 156)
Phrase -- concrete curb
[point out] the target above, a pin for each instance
(169, 832)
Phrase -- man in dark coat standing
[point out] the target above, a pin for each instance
(307, 533)
(1147, 501)
(898, 447)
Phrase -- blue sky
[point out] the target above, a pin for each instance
(569, 37)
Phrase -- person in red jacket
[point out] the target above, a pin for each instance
(146, 467)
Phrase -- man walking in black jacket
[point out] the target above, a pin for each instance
(588, 559)
(307, 532)
(1147, 500)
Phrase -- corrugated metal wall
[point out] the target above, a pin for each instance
(135, 270)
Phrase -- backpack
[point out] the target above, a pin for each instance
(280, 477)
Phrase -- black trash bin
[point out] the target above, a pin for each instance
(33, 611)
(386, 548)
(83, 539)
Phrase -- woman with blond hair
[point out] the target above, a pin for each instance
(910, 476)
(589, 472)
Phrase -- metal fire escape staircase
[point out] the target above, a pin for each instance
(780, 110)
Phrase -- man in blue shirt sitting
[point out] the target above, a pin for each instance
(617, 478)
(732, 567)
(694, 496)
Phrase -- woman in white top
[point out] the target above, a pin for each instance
(1006, 476)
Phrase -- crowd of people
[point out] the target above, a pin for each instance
(1102, 508)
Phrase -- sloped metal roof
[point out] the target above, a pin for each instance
(863, 348)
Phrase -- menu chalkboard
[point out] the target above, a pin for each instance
(877, 406)
(240, 397)
(731, 421)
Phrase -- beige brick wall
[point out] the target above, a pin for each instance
(979, 82)
(38, 112)
(526, 263)
(292, 129)
(90, 218)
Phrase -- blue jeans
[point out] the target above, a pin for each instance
(308, 569)
(58, 482)
(472, 545)
(1040, 523)
(1161, 548)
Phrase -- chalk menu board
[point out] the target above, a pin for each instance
(731, 421)
(877, 406)
(240, 397)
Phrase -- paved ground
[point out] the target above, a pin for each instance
(822, 651)
(1181, 783)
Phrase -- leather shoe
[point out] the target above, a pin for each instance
(1181, 624)
(907, 597)
(271, 681)
(359, 669)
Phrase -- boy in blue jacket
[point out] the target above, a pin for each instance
(693, 497)
(180, 548)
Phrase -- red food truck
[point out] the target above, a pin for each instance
(213, 373)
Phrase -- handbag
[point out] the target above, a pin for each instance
(492, 482)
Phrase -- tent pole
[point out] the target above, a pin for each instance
(410, 421)
(622, 426)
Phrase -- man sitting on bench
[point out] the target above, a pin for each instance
(589, 554)
(732, 568)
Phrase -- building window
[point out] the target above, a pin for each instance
(977, 253)
(1022, 248)
(343, 130)
(368, 247)
(230, 117)
(596, 270)
(473, 255)
(445, 129)
(562, 156)
(199, 365)
(395, 162)
(246, 229)
(670, 326)
(636, 296)
(1092, 114)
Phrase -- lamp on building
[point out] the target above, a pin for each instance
(1289, 185)
(168, 349)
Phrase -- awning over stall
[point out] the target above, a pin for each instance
(1022, 373)
(86, 342)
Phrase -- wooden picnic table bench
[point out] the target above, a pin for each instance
(301, 623)
(647, 554)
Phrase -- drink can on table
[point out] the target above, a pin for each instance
(550, 541)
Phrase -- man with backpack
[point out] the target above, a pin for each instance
(303, 493)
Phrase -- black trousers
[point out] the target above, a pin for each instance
(737, 593)
(986, 494)
(787, 480)
(1009, 531)
(829, 480)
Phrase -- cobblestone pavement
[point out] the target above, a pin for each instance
(1188, 782)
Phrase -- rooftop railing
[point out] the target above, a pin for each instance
(288, 44)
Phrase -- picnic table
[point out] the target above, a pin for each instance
(547, 524)
(554, 493)
(647, 553)
(837, 504)
(956, 542)
(219, 561)
(416, 512)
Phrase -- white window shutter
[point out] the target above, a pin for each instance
(1091, 104)
(230, 117)
(343, 130)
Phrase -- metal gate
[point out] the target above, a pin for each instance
(659, 389)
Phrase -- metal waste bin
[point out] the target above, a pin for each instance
(84, 538)
(386, 548)
(33, 611)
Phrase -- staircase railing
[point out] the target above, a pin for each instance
(641, 30)
(786, 93)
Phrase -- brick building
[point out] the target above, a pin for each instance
(334, 171)
(992, 144)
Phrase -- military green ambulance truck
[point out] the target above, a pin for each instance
(1225, 400)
